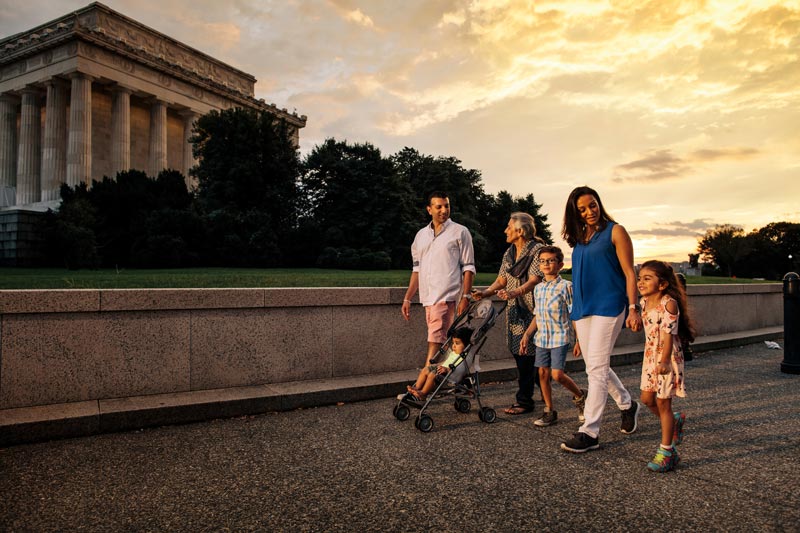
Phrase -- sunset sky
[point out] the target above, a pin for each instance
(682, 114)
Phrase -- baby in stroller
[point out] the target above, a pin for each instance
(454, 368)
(431, 375)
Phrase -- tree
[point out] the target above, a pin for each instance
(69, 233)
(247, 185)
(772, 250)
(357, 206)
(723, 245)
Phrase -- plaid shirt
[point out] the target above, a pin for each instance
(553, 305)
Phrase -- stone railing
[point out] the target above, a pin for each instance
(61, 346)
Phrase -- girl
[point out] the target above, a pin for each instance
(667, 328)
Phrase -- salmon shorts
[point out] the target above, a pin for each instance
(439, 317)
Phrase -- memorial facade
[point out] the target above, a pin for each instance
(94, 92)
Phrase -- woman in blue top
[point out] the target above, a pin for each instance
(604, 298)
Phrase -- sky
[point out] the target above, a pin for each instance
(681, 114)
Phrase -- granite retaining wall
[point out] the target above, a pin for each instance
(64, 346)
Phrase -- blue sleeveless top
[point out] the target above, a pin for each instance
(598, 281)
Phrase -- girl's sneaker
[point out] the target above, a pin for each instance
(677, 431)
(665, 460)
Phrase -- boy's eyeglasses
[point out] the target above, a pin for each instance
(548, 261)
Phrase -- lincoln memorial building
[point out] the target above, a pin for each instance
(93, 93)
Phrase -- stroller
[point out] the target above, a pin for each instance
(461, 379)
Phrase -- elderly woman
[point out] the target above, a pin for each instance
(519, 273)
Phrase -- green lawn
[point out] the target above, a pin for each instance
(53, 278)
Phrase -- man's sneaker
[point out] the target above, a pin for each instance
(580, 403)
(548, 419)
(630, 418)
(677, 428)
(665, 460)
(579, 443)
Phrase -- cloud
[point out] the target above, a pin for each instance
(653, 166)
(695, 228)
(658, 165)
(725, 153)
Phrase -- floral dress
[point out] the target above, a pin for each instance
(656, 320)
(520, 310)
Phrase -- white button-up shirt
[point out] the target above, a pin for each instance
(441, 261)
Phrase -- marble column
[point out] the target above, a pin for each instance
(120, 130)
(29, 187)
(158, 138)
(54, 153)
(189, 161)
(8, 146)
(79, 145)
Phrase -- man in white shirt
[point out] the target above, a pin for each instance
(443, 270)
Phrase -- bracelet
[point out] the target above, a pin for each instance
(409, 301)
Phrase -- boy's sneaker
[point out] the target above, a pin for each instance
(677, 428)
(630, 418)
(548, 419)
(665, 460)
(580, 443)
(580, 403)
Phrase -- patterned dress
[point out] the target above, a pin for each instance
(520, 310)
(657, 320)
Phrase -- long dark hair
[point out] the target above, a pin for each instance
(573, 229)
(665, 272)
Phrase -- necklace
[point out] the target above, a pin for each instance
(589, 232)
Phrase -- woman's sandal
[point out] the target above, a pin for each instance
(517, 409)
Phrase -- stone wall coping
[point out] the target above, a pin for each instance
(735, 288)
(108, 300)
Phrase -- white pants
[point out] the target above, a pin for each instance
(597, 335)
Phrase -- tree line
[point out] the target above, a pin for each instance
(768, 252)
(259, 204)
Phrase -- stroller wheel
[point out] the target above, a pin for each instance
(462, 405)
(424, 423)
(401, 412)
(488, 415)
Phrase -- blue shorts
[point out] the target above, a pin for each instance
(554, 358)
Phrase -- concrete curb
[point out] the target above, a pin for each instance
(34, 424)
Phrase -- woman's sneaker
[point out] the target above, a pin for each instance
(548, 419)
(677, 428)
(580, 403)
(579, 443)
(665, 460)
(630, 417)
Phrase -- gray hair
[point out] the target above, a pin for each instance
(525, 222)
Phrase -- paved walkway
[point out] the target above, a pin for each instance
(353, 467)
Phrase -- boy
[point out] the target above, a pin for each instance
(429, 376)
(553, 333)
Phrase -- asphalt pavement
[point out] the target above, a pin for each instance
(354, 467)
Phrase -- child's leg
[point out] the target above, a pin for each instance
(422, 378)
(649, 399)
(430, 384)
(566, 382)
(667, 420)
(547, 389)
